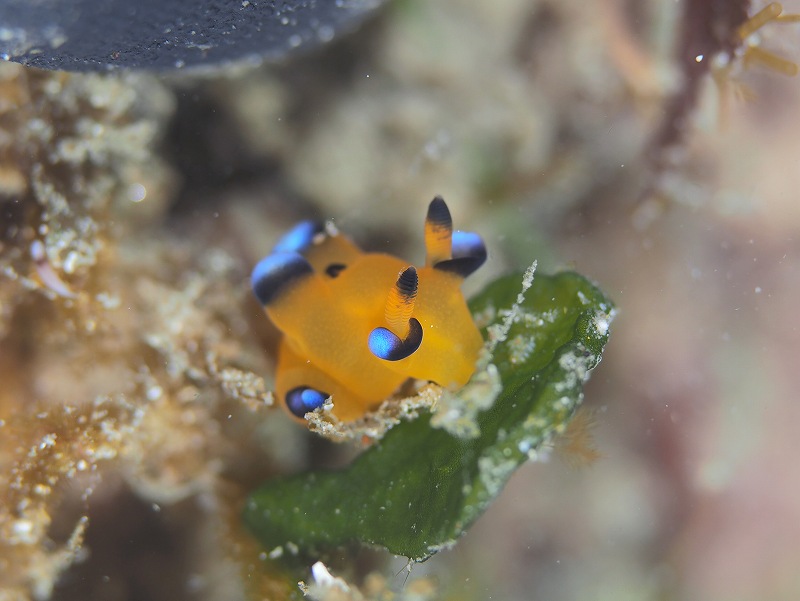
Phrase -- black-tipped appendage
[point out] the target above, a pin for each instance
(408, 283)
(439, 214)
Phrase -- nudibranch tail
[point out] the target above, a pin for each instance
(438, 232)
(275, 272)
(400, 302)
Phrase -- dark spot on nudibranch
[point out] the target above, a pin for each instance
(334, 269)
(302, 399)
(274, 272)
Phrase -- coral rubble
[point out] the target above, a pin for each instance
(121, 347)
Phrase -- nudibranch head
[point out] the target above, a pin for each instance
(357, 325)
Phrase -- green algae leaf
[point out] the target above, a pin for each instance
(419, 488)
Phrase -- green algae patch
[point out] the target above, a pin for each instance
(426, 481)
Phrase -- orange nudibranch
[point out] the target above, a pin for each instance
(357, 325)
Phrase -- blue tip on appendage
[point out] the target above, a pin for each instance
(386, 345)
(469, 253)
(383, 343)
(303, 399)
(272, 273)
(467, 244)
(299, 238)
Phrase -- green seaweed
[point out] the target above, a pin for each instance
(419, 488)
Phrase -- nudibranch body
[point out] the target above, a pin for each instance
(357, 325)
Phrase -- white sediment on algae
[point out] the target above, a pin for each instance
(457, 412)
